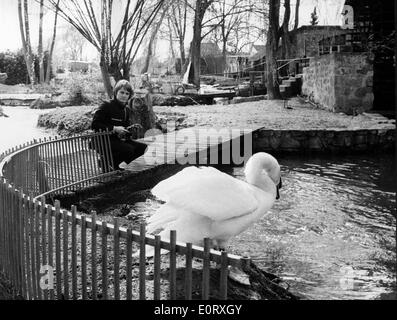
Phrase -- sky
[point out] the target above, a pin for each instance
(327, 10)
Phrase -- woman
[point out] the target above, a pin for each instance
(114, 116)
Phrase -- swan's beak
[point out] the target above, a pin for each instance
(278, 187)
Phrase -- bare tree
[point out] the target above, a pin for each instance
(74, 43)
(224, 15)
(250, 28)
(275, 33)
(177, 18)
(23, 15)
(152, 38)
(117, 48)
(227, 17)
(200, 9)
(273, 37)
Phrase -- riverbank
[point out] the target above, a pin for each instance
(269, 114)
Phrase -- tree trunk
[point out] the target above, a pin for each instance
(106, 77)
(195, 57)
(170, 39)
(24, 37)
(151, 49)
(297, 14)
(224, 56)
(271, 50)
(40, 46)
(195, 48)
(286, 43)
(49, 62)
(30, 58)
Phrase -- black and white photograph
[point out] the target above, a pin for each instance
(216, 152)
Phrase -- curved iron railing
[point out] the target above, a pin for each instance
(52, 253)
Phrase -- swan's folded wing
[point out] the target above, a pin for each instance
(207, 191)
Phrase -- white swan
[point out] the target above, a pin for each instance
(203, 202)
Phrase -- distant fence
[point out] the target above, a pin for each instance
(51, 253)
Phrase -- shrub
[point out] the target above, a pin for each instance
(13, 63)
(84, 88)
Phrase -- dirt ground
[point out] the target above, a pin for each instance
(271, 114)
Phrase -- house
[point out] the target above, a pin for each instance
(211, 59)
(257, 57)
(237, 64)
(79, 66)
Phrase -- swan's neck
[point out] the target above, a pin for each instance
(257, 173)
(261, 180)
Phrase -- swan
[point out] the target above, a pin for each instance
(203, 202)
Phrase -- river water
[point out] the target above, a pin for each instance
(331, 235)
(20, 126)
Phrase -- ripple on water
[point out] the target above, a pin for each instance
(330, 215)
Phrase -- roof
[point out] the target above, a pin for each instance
(258, 51)
(210, 49)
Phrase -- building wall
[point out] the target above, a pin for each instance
(318, 82)
(306, 38)
(340, 82)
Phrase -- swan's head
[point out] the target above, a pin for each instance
(259, 168)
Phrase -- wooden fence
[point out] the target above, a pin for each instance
(51, 253)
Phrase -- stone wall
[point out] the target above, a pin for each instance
(327, 141)
(318, 82)
(340, 82)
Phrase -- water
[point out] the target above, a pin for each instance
(20, 126)
(331, 235)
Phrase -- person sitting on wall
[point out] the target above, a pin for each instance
(114, 116)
